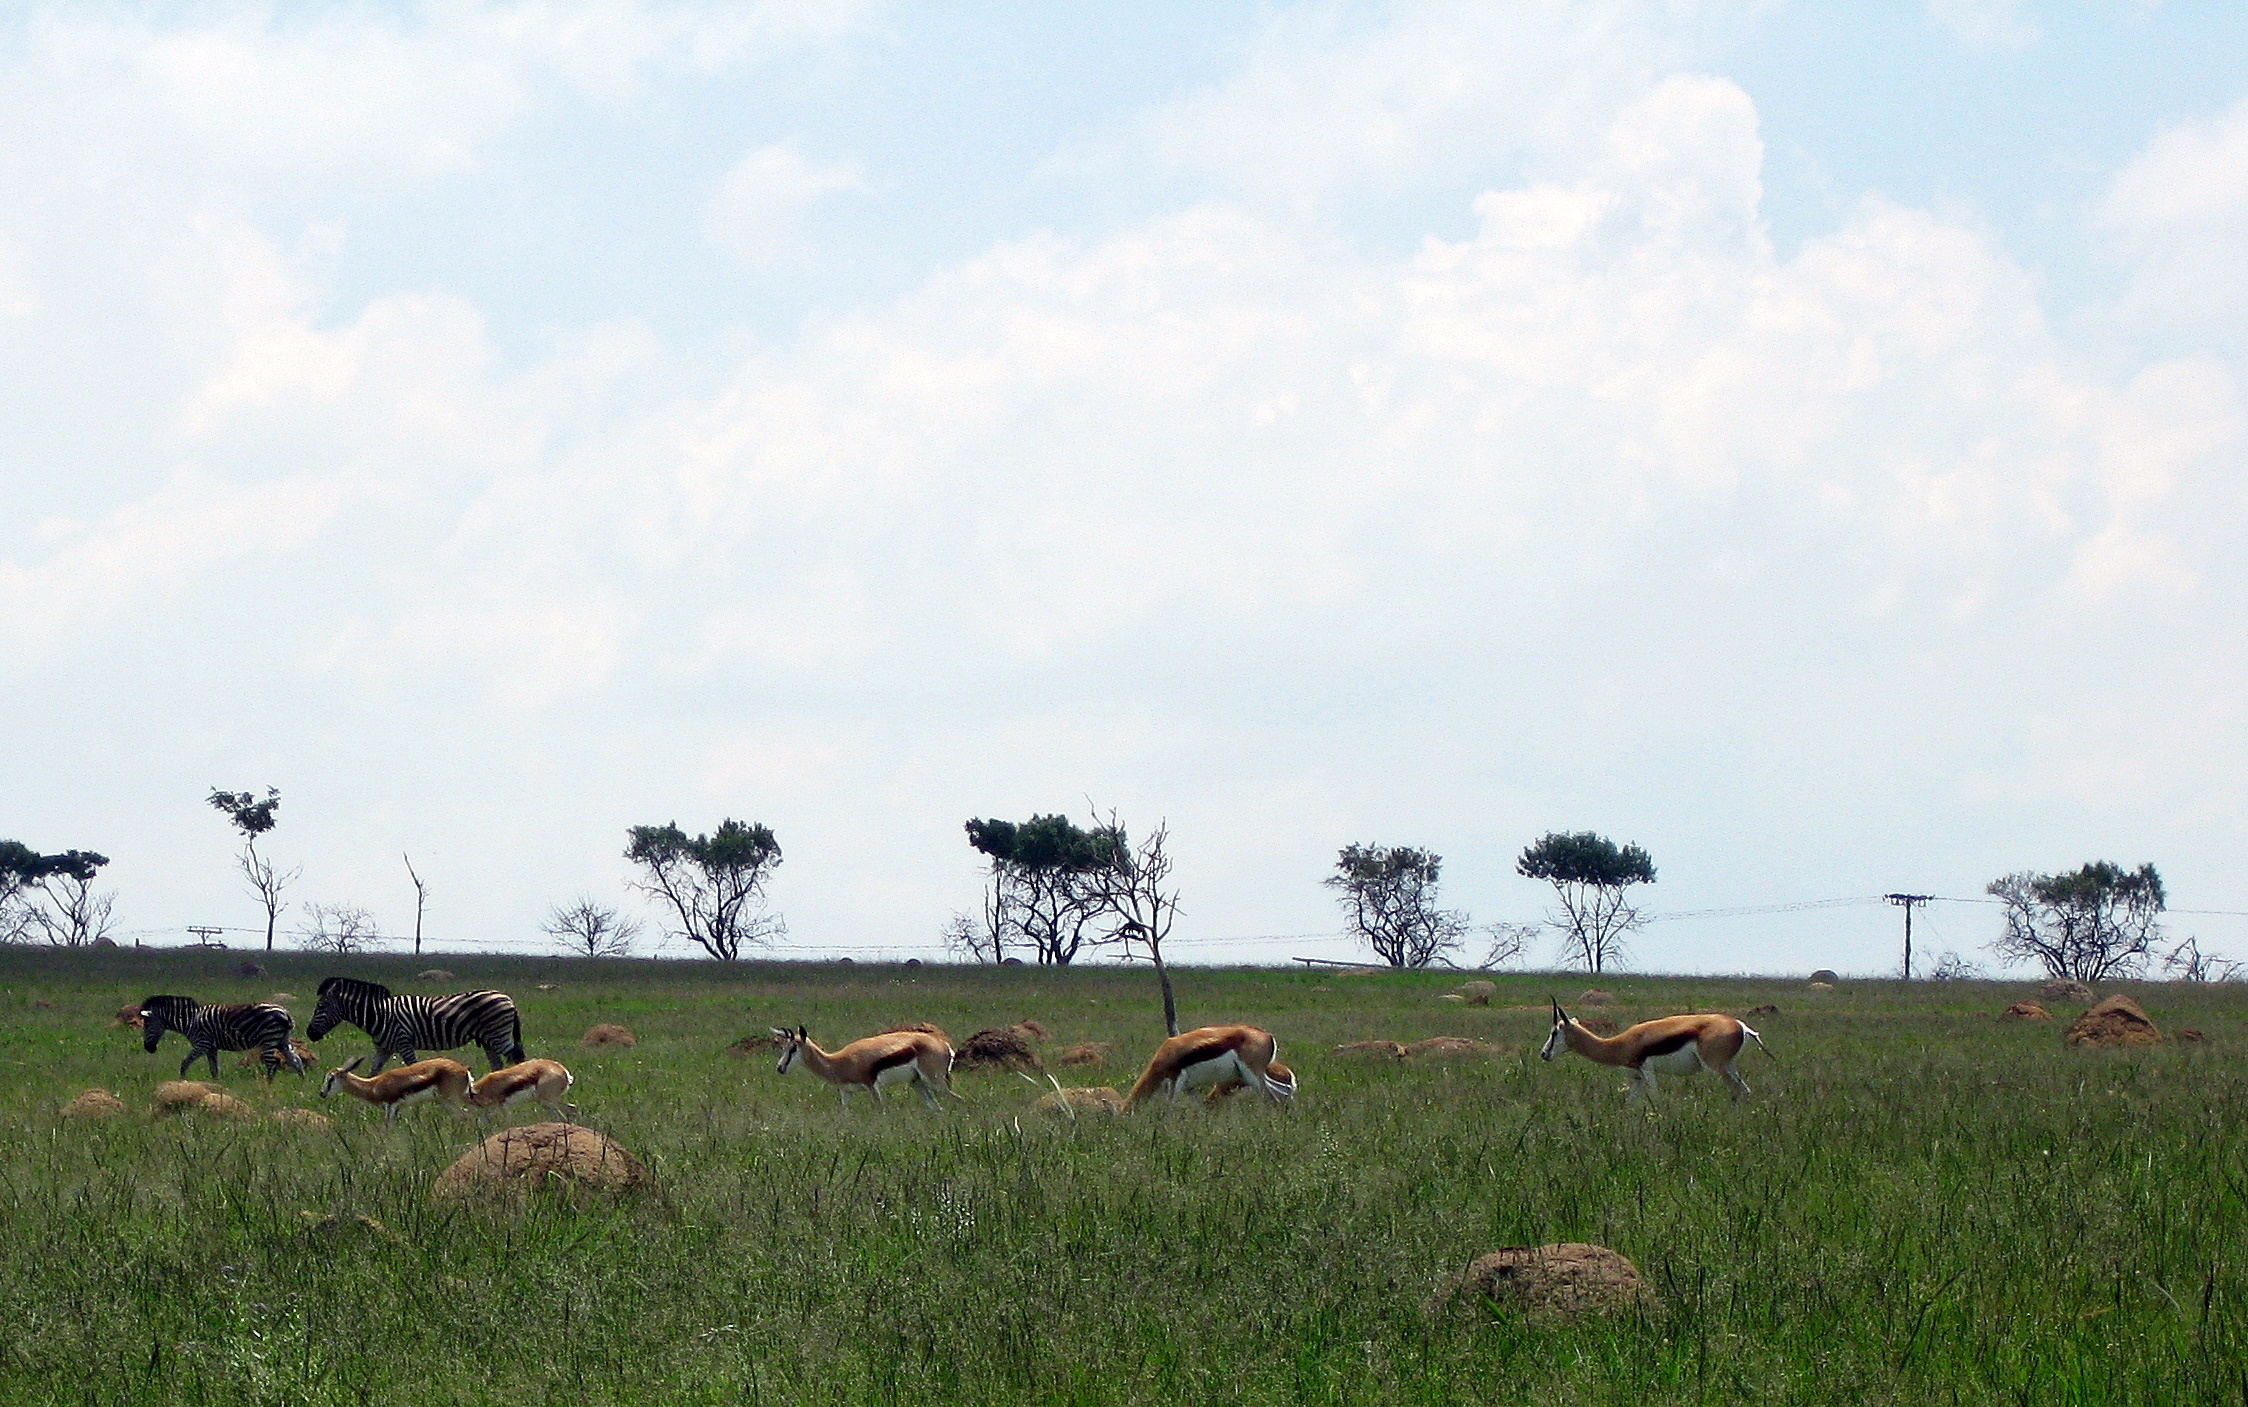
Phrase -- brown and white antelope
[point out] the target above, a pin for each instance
(920, 1059)
(445, 1081)
(545, 1081)
(1280, 1083)
(1674, 1045)
(1210, 1057)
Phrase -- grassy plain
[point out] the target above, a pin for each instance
(1923, 1205)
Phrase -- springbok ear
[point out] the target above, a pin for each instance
(802, 1034)
(355, 1063)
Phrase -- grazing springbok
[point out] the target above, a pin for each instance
(917, 1058)
(1212, 1056)
(1675, 1045)
(1280, 1082)
(445, 1081)
(543, 1080)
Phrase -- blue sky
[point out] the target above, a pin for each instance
(1801, 439)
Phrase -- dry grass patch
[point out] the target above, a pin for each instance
(2025, 1011)
(1558, 1283)
(608, 1034)
(1001, 1048)
(1085, 1053)
(1450, 1048)
(1069, 1103)
(94, 1104)
(1391, 1050)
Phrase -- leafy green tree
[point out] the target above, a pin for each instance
(713, 884)
(1591, 875)
(66, 911)
(253, 817)
(2089, 924)
(1046, 891)
(1388, 894)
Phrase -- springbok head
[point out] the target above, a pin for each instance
(335, 1076)
(792, 1045)
(1559, 1036)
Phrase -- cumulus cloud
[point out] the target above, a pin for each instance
(1985, 24)
(2179, 214)
(755, 212)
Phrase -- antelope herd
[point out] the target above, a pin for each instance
(1217, 1062)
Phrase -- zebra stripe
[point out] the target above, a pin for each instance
(260, 1026)
(406, 1026)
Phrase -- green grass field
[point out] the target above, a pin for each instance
(1923, 1205)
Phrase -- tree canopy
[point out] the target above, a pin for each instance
(714, 884)
(1589, 874)
(1047, 890)
(1388, 894)
(2090, 924)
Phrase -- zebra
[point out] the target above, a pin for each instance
(405, 1026)
(261, 1026)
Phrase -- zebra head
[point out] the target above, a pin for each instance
(161, 1014)
(344, 999)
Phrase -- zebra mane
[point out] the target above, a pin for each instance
(170, 1005)
(350, 987)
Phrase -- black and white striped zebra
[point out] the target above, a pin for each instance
(259, 1026)
(406, 1026)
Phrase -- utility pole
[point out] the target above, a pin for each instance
(421, 897)
(1908, 902)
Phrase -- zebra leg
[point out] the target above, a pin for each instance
(192, 1052)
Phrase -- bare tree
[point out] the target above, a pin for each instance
(976, 939)
(714, 884)
(254, 818)
(421, 900)
(338, 928)
(70, 913)
(591, 929)
(1951, 967)
(2187, 963)
(1508, 942)
(1136, 891)
(2089, 924)
(1389, 901)
(1044, 890)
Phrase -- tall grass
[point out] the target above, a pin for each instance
(1922, 1205)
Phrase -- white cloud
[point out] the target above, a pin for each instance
(2179, 214)
(764, 195)
(1985, 24)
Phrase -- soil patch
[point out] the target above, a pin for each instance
(754, 1045)
(606, 1034)
(2025, 1011)
(539, 1155)
(1450, 1048)
(1392, 1050)
(1558, 1283)
(2118, 1021)
(94, 1104)
(311, 1120)
(1095, 1099)
(1001, 1048)
(1085, 1053)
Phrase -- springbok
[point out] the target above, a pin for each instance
(917, 1058)
(1675, 1045)
(445, 1081)
(543, 1080)
(1212, 1056)
(1280, 1084)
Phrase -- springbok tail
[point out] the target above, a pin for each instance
(1750, 1032)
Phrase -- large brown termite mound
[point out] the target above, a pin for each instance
(1558, 1283)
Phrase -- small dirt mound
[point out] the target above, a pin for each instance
(1450, 1048)
(1765, 1010)
(94, 1104)
(340, 1229)
(606, 1034)
(179, 1096)
(540, 1155)
(433, 974)
(1031, 1030)
(127, 1016)
(2118, 1021)
(754, 1045)
(1478, 992)
(250, 969)
(2065, 989)
(1095, 1099)
(2192, 1035)
(2025, 1011)
(1596, 996)
(1387, 1050)
(1085, 1053)
(997, 1049)
(311, 1120)
(41, 1004)
(1569, 1281)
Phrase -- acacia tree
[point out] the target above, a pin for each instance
(591, 929)
(1045, 889)
(2088, 924)
(67, 912)
(713, 884)
(1590, 875)
(254, 818)
(1388, 895)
